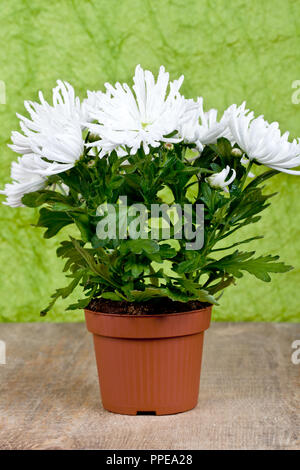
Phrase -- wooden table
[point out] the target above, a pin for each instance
(249, 394)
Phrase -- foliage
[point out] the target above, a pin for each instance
(141, 269)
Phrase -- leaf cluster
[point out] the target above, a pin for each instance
(137, 270)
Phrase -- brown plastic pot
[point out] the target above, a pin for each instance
(149, 364)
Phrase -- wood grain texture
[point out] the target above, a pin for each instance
(249, 393)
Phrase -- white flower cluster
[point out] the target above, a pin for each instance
(51, 142)
(125, 120)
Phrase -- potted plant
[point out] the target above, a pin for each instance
(154, 187)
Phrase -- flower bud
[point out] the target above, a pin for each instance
(168, 146)
(236, 152)
(219, 180)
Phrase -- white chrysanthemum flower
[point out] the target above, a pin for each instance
(67, 104)
(64, 147)
(26, 178)
(188, 129)
(51, 141)
(220, 181)
(210, 129)
(203, 128)
(140, 119)
(32, 163)
(263, 142)
(46, 120)
(230, 112)
(92, 102)
(53, 132)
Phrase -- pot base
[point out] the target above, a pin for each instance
(157, 412)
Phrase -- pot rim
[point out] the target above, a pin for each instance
(148, 326)
(152, 315)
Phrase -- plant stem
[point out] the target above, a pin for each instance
(246, 174)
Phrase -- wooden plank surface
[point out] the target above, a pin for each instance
(249, 393)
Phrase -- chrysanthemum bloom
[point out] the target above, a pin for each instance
(264, 143)
(203, 128)
(26, 179)
(53, 132)
(51, 141)
(144, 117)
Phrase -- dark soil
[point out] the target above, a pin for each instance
(156, 306)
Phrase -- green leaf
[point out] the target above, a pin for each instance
(224, 147)
(66, 250)
(189, 266)
(197, 292)
(98, 268)
(138, 246)
(134, 267)
(86, 229)
(166, 252)
(54, 221)
(249, 203)
(166, 195)
(248, 240)
(192, 189)
(225, 282)
(112, 296)
(80, 304)
(63, 207)
(180, 295)
(242, 261)
(63, 292)
(261, 178)
(37, 198)
(148, 294)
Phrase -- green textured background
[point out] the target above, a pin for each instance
(229, 51)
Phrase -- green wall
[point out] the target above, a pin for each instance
(228, 50)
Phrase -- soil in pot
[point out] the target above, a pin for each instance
(152, 307)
